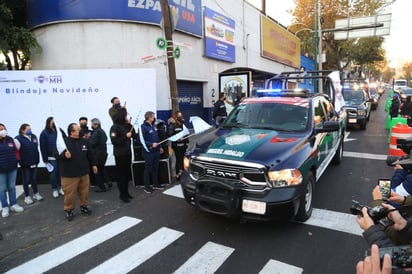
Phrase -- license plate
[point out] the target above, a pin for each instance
(352, 120)
(254, 207)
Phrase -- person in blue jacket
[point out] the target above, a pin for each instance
(29, 159)
(49, 155)
(8, 173)
(152, 154)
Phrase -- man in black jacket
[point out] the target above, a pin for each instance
(98, 141)
(75, 162)
(219, 110)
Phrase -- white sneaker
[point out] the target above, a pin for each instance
(5, 212)
(16, 208)
(55, 194)
(28, 200)
(61, 192)
(38, 197)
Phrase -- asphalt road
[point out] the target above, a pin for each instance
(160, 233)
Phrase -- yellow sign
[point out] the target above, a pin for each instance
(278, 44)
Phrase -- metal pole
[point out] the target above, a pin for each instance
(169, 54)
(320, 46)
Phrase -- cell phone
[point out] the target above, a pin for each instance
(385, 188)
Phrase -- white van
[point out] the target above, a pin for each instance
(399, 83)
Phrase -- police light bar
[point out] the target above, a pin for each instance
(282, 92)
(269, 92)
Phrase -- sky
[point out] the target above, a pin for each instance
(397, 44)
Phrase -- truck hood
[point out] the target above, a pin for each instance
(254, 145)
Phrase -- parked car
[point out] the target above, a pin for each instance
(375, 96)
(357, 104)
(263, 161)
(404, 92)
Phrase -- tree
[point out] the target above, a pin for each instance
(407, 71)
(339, 54)
(16, 42)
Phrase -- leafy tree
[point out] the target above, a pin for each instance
(339, 53)
(407, 71)
(16, 41)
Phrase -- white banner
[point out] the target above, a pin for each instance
(32, 96)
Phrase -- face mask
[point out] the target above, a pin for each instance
(28, 132)
(180, 119)
(3, 133)
(117, 105)
(83, 126)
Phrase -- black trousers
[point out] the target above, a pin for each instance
(179, 154)
(123, 170)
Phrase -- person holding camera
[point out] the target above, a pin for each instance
(372, 264)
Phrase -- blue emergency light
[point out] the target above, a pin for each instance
(282, 92)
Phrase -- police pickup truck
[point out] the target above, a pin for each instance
(263, 161)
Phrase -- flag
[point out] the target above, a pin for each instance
(179, 135)
(60, 144)
(198, 124)
(138, 122)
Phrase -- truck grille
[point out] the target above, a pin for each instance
(251, 176)
(352, 112)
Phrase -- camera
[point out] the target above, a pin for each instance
(401, 256)
(376, 213)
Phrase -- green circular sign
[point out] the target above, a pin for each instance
(161, 43)
(176, 52)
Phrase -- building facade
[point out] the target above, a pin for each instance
(219, 46)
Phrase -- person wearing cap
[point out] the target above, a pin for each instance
(394, 110)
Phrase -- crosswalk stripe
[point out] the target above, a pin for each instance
(276, 267)
(175, 191)
(365, 155)
(334, 220)
(138, 253)
(206, 260)
(75, 247)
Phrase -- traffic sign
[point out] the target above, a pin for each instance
(176, 52)
(161, 43)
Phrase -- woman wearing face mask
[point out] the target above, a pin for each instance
(8, 172)
(121, 133)
(29, 159)
(180, 146)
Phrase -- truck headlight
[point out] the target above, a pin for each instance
(361, 112)
(285, 177)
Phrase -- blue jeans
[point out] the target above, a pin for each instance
(55, 179)
(8, 185)
(29, 178)
(151, 168)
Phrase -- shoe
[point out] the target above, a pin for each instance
(148, 190)
(85, 210)
(55, 194)
(38, 197)
(28, 200)
(110, 184)
(125, 199)
(16, 208)
(5, 212)
(100, 190)
(61, 192)
(129, 196)
(69, 214)
(160, 187)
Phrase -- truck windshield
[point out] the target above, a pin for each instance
(274, 116)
